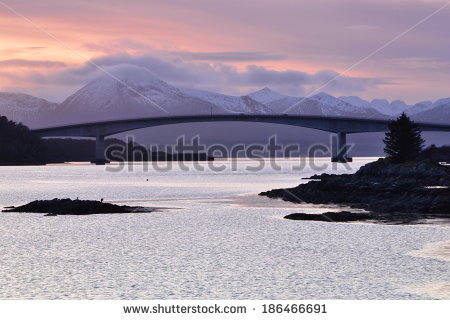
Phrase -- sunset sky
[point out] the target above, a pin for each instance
(233, 47)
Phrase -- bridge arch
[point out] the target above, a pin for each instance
(341, 126)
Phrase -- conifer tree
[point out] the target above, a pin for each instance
(403, 142)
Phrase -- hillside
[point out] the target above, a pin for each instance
(18, 145)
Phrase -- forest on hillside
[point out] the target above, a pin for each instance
(19, 145)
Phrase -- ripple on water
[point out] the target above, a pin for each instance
(216, 245)
(434, 291)
(436, 250)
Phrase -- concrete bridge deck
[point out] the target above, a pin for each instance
(341, 126)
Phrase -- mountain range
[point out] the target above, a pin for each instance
(132, 92)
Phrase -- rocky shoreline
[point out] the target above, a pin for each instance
(342, 216)
(56, 207)
(388, 192)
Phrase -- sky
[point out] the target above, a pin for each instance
(393, 49)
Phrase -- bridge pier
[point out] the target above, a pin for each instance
(339, 148)
(100, 158)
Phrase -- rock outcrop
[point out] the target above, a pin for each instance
(416, 188)
(73, 207)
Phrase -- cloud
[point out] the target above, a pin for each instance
(420, 63)
(117, 46)
(219, 77)
(136, 48)
(21, 50)
(260, 76)
(32, 63)
(333, 82)
(202, 38)
(230, 56)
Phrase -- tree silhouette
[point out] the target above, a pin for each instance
(403, 141)
(18, 144)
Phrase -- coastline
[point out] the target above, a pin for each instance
(413, 192)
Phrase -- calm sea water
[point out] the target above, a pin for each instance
(216, 239)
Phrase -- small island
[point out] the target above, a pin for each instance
(74, 207)
(400, 188)
(343, 216)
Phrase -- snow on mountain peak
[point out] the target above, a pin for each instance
(131, 75)
(230, 104)
(322, 96)
(441, 102)
(389, 108)
(380, 102)
(266, 95)
(356, 101)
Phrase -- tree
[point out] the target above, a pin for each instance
(403, 142)
(18, 144)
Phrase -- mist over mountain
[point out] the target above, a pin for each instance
(128, 91)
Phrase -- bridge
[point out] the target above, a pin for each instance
(341, 126)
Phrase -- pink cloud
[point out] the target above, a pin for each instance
(276, 35)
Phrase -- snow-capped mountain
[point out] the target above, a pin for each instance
(420, 107)
(332, 106)
(266, 95)
(128, 91)
(322, 104)
(380, 105)
(396, 107)
(438, 111)
(389, 108)
(230, 104)
(24, 108)
(356, 101)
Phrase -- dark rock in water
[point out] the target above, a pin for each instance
(73, 207)
(420, 187)
(425, 172)
(437, 154)
(343, 216)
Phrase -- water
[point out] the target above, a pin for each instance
(215, 240)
